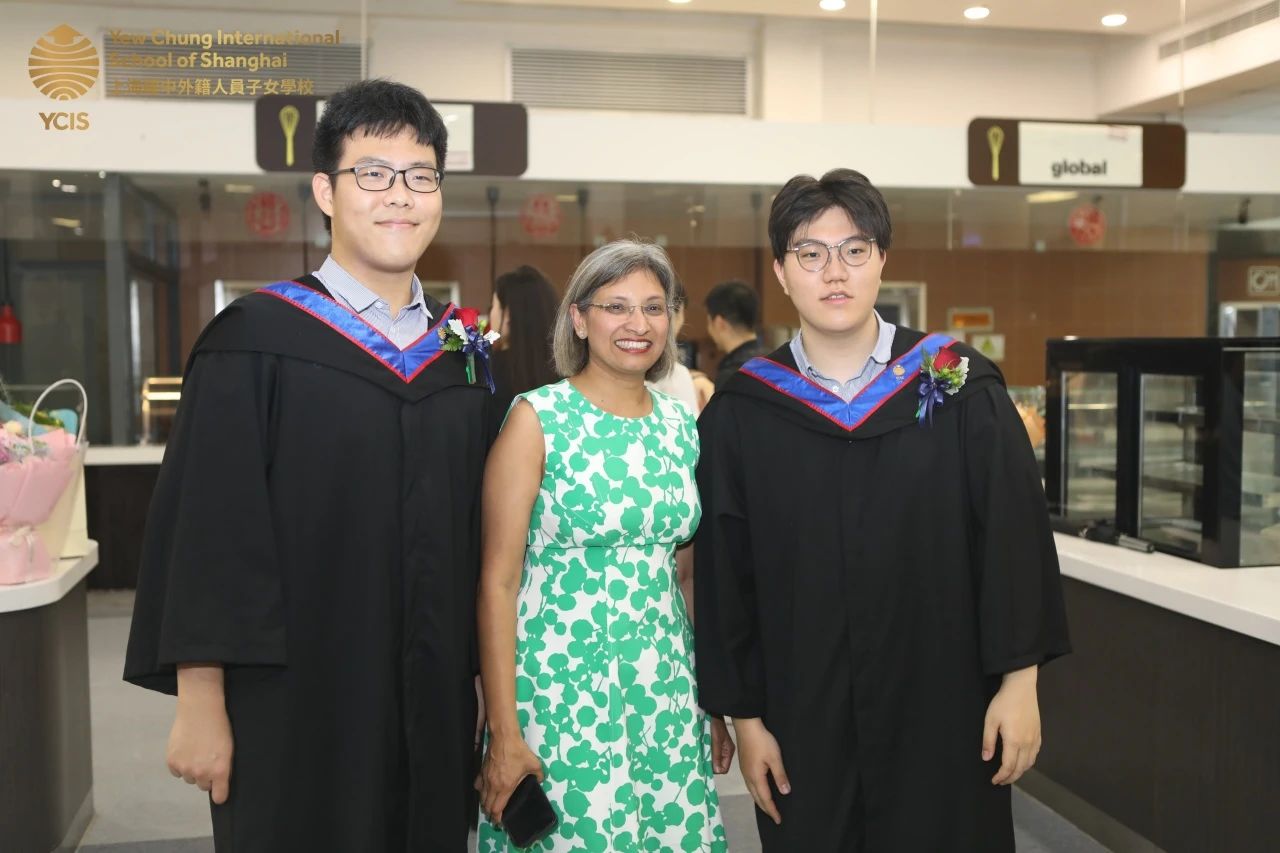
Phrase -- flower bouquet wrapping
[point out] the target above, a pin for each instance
(40, 455)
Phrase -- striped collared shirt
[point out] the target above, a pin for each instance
(411, 323)
(880, 356)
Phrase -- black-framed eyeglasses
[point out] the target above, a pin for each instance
(375, 178)
(622, 309)
(814, 256)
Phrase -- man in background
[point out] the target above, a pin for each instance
(733, 309)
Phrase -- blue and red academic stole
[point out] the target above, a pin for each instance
(896, 376)
(406, 363)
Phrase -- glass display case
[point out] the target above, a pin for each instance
(1173, 441)
(160, 398)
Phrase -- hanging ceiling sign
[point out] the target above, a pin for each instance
(1022, 153)
(489, 139)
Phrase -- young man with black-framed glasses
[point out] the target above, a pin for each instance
(309, 571)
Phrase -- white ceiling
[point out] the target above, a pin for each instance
(1081, 16)
(1145, 16)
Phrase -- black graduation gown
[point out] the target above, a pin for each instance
(862, 581)
(315, 528)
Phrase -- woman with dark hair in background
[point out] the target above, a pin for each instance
(523, 311)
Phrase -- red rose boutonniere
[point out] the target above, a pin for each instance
(942, 374)
(465, 333)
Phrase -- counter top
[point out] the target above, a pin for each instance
(66, 575)
(126, 454)
(1246, 601)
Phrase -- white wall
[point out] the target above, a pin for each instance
(804, 69)
(947, 76)
(1133, 79)
(810, 85)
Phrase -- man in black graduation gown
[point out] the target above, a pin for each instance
(876, 584)
(308, 578)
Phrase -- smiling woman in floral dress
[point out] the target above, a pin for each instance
(585, 641)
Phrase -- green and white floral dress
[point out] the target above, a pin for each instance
(604, 677)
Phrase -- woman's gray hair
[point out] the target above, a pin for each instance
(602, 267)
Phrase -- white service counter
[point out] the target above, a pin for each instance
(46, 775)
(52, 589)
(1160, 726)
(1246, 601)
(124, 454)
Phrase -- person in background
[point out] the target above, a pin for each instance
(733, 309)
(523, 311)
(690, 387)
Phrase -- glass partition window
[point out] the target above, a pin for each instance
(1173, 448)
(1089, 481)
(1260, 469)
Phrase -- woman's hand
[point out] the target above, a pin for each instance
(758, 756)
(1014, 715)
(507, 761)
(722, 747)
(200, 742)
(512, 476)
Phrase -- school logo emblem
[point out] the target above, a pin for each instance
(63, 64)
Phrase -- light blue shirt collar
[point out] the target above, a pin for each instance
(882, 354)
(344, 286)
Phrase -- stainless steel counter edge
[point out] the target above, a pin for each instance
(66, 575)
(1246, 601)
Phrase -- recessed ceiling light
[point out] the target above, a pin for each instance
(976, 13)
(69, 188)
(678, 2)
(1051, 196)
(1116, 20)
(831, 5)
(56, 183)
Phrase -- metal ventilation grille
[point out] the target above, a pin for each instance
(1222, 29)
(151, 71)
(586, 80)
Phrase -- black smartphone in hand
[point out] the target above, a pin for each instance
(528, 817)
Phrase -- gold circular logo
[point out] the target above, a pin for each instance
(63, 64)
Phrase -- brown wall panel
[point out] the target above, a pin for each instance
(1036, 295)
(1233, 282)
(1043, 295)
